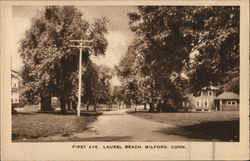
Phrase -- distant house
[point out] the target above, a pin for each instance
(15, 88)
(227, 101)
(204, 101)
(207, 100)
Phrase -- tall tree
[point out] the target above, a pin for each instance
(49, 62)
(90, 83)
(217, 59)
(165, 46)
(167, 40)
(104, 83)
(128, 71)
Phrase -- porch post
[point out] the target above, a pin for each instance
(220, 105)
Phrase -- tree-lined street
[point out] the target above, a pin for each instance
(119, 125)
(50, 62)
(177, 51)
(173, 55)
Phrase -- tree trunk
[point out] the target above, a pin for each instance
(13, 111)
(69, 105)
(87, 106)
(63, 104)
(74, 105)
(110, 106)
(151, 107)
(46, 103)
(159, 107)
(145, 106)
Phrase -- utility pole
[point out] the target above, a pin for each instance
(83, 44)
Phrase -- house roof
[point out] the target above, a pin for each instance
(15, 74)
(210, 88)
(228, 95)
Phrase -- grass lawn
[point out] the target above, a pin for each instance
(223, 126)
(30, 126)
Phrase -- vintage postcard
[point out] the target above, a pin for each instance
(125, 80)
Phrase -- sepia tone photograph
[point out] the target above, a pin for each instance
(125, 73)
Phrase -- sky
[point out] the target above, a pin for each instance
(119, 35)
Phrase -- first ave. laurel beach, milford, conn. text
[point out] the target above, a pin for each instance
(129, 146)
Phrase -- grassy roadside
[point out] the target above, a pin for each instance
(30, 126)
(223, 126)
(188, 118)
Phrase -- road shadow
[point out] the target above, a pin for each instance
(227, 131)
(25, 113)
(146, 111)
(85, 139)
(113, 114)
(83, 113)
(59, 113)
(106, 138)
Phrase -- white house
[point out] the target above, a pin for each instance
(203, 101)
(15, 85)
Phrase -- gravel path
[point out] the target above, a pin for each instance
(120, 126)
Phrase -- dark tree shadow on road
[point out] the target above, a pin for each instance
(25, 113)
(212, 130)
(83, 113)
(106, 138)
(90, 139)
(59, 113)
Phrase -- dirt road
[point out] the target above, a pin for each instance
(120, 126)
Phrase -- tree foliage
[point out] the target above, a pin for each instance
(217, 61)
(97, 87)
(50, 64)
(178, 50)
(165, 44)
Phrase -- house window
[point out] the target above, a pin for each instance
(231, 103)
(210, 93)
(198, 103)
(14, 84)
(206, 103)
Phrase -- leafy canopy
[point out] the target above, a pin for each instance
(178, 50)
(49, 61)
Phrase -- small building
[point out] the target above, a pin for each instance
(16, 86)
(227, 101)
(204, 101)
(15, 83)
